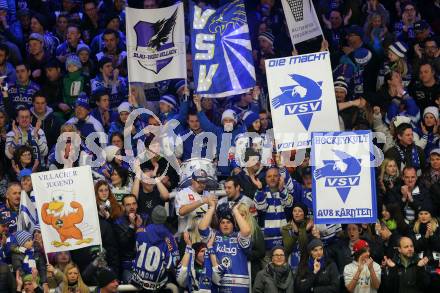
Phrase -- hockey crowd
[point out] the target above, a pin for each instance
(64, 72)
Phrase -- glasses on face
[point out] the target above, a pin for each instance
(278, 255)
(103, 190)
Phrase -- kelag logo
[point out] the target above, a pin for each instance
(302, 99)
(155, 47)
(342, 173)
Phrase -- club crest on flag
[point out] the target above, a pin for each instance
(341, 173)
(302, 98)
(155, 47)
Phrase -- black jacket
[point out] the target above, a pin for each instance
(84, 257)
(51, 125)
(413, 279)
(7, 280)
(325, 281)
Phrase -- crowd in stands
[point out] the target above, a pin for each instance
(63, 68)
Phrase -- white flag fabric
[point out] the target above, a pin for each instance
(155, 44)
(343, 178)
(27, 217)
(302, 98)
(67, 209)
(301, 20)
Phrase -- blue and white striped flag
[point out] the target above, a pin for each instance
(221, 50)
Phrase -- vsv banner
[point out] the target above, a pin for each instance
(343, 177)
(302, 98)
(67, 209)
(301, 20)
(28, 217)
(156, 44)
(222, 52)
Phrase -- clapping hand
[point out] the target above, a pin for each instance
(369, 262)
(423, 262)
(388, 262)
(187, 238)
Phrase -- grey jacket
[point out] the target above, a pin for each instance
(265, 281)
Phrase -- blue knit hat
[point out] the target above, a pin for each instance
(250, 117)
(356, 30)
(3, 5)
(23, 237)
(82, 101)
(73, 60)
(268, 36)
(362, 56)
(340, 83)
(169, 100)
(398, 48)
(82, 47)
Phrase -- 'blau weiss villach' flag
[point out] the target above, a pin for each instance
(156, 44)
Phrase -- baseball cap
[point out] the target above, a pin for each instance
(435, 151)
(360, 244)
(200, 176)
(37, 37)
(420, 25)
(23, 173)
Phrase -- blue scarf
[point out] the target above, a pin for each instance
(415, 160)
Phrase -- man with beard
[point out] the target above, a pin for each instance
(405, 272)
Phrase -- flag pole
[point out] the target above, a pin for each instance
(319, 24)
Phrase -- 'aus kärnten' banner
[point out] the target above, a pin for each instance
(343, 177)
(155, 44)
(222, 52)
(66, 208)
(302, 98)
(301, 20)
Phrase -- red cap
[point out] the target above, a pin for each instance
(358, 245)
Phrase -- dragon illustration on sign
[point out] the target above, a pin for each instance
(219, 24)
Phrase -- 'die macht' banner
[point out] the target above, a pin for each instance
(67, 208)
(221, 49)
(302, 98)
(343, 178)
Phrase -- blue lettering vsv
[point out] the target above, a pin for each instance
(301, 99)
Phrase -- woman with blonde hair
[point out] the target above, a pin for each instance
(258, 247)
(426, 231)
(396, 61)
(72, 282)
(389, 175)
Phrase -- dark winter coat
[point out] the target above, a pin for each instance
(325, 281)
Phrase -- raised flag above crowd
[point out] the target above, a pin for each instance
(222, 50)
(155, 44)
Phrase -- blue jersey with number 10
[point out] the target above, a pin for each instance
(156, 253)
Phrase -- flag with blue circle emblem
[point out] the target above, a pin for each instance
(221, 50)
